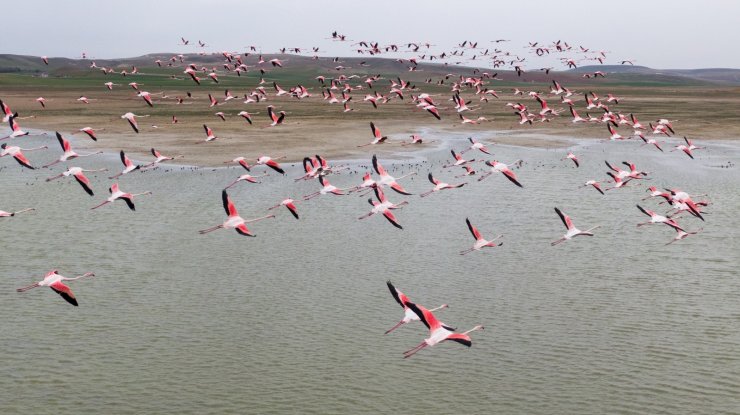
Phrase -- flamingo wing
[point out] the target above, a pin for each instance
(275, 166)
(228, 204)
(463, 339)
(391, 218)
(84, 182)
(22, 160)
(473, 230)
(291, 207)
(512, 177)
(64, 143)
(378, 167)
(565, 218)
(63, 290)
(426, 316)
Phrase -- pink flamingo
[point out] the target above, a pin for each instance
(388, 180)
(437, 331)
(128, 166)
(116, 193)
(289, 204)
(438, 185)
(53, 280)
(572, 230)
(480, 242)
(234, 221)
(79, 174)
(504, 169)
(378, 137)
(69, 154)
(17, 154)
(408, 315)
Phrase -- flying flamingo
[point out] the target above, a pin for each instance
(572, 230)
(17, 132)
(17, 153)
(271, 163)
(409, 315)
(438, 185)
(90, 132)
(475, 145)
(276, 120)
(288, 203)
(681, 234)
(128, 165)
(479, 241)
(468, 172)
(210, 136)
(381, 207)
(131, 118)
(573, 157)
(160, 158)
(655, 218)
(503, 169)
(79, 174)
(595, 185)
(116, 193)
(437, 331)
(53, 280)
(247, 178)
(4, 214)
(147, 97)
(388, 180)
(378, 137)
(234, 221)
(459, 160)
(242, 161)
(69, 154)
(326, 189)
(688, 147)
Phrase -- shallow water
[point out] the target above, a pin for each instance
(292, 321)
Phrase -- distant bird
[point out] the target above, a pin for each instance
(246, 178)
(116, 194)
(17, 132)
(384, 207)
(53, 280)
(476, 145)
(326, 188)
(159, 158)
(378, 137)
(234, 221)
(131, 118)
(4, 214)
(210, 136)
(594, 184)
(388, 180)
(656, 218)
(572, 230)
(573, 157)
(681, 234)
(687, 148)
(479, 241)
(271, 163)
(79, 174)
(437, 331)
(504, 169)
(409, 315)
(275, 118)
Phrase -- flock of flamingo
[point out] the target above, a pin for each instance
(337, 88)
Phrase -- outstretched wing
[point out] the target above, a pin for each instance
(565, 218)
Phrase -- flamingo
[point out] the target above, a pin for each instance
(17, 132)
(234, 221)
(42, 101)
(276, 120)
(326, 189)
(79, 174)
(573, 157)
(655, 218)
(459, 161)
(651, 141)
(4, 214)
(503, 169)
(468, 172)
(572, 230)
(210, 136)
(475, 145)
(438, 185)
(116, 193)
(688, 147)
(437, 331)
(618, 182)
(408, 315)
(382, 207)
(128, 166)
(378, 137)
(17, 154)
(247, 116)
(90, 132)
(69, 154)
(242, 162)
(146, 96)
(613, 132)
(131, 118)
(681, 234)
(271, 163)
(596, 185)
(388, 180)
(54, 280)
(160, 158)
(289, 204)
(479, 241)
(245, 177)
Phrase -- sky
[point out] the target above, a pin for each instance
(660, 34)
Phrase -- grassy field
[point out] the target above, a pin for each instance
(703, 110)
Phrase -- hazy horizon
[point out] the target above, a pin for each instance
(104, 33)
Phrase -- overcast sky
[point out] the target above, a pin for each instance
(660, 34)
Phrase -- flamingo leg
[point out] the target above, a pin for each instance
(104, 203)
(414, 350)
(204, 231)
(28, 287)
(399, 324)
